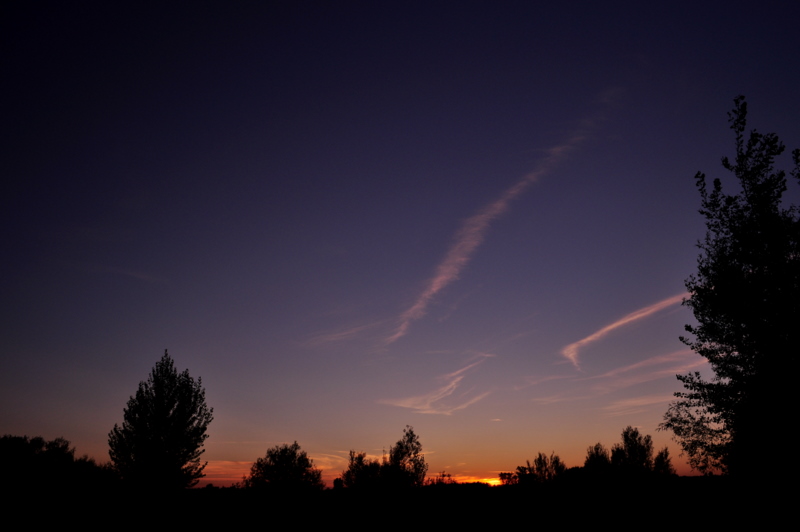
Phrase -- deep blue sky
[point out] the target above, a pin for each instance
(312, 205)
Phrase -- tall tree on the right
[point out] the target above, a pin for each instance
(745, 297)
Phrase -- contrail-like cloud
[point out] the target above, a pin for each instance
(570, 352)
(472, 233)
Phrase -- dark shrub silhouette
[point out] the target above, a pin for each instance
(285, 467)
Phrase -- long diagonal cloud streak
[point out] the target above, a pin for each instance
(570, 352)
(472, 233)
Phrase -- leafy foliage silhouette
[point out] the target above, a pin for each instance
(745, 297)
(285, 467)
(161, 438)
(635, 453)
(362, 472)
(543, 469)
(405, 466)
(662, 463)
(598, 458)
(632, 456)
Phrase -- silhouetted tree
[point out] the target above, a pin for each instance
(746, 300)
(361, 472)
(662, 463)
(285, 467)
(635, 453)
(543, 469)
(597, 458)
(406, 466)
(508, 479)
(162, 434)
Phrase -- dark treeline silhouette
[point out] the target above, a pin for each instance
(632, 456)
(630, 459)
(35, 464)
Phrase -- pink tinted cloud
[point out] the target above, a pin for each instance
(570, 352)
(432, 402)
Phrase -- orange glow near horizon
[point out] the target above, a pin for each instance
(225, 473)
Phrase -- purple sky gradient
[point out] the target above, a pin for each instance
(471, 218)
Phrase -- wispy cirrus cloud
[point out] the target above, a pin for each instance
(472, 233)
(634, 405)
(434, 402)
(594, 387)
(654, 368)
(337, 336)
(570, 352)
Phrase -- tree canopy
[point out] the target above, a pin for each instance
(745, 298)
(405, 466)
(164, 426)
(285, 467)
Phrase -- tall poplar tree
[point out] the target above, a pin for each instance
(745, 298)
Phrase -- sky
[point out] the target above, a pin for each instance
(474, 218)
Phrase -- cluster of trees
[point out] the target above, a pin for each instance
(543, 469)
(37, 464)
(404, 467)
(164, 427)
(633, 456)
(287, 467)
